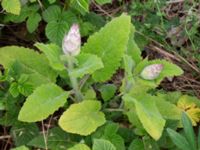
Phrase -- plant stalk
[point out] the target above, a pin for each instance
(74, 82)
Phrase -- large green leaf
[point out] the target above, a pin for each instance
(53, 53)
(100, 144)
(132, 49)
(79, 147)
(28, 62)
(87, 64)
(44, 101)
(12, 6)
(148, 114)
(82, 118)
(109, 44)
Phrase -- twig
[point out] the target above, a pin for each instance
(175, 1)
(102, 10)
(44, 136)
(5, 137)
(114, 110)
(161, 51)
(40, 3)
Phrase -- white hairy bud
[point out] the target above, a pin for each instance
(151, 72)
(72, 41)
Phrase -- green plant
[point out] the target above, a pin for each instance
(67, 80)
(187, 140)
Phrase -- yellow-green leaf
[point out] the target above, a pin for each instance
(44, 101)
(82, 118)
(12, 6)
(148, 115)
(109, 44)
(79, 147)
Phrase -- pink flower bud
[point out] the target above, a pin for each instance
(72, 41)
(151, 72)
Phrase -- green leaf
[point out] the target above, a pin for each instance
(90, 94)
(87, 64)
(82, 118)
(164, 107)
(100, 144)
(52, 52)
(136, 144)
(52, 13)
(28, 61)
(26, 11)
(22, 133)
(132, 49)
(179, 140)
(33, 22)
(9, 118)
(44, 101)
(13, 89)
(150, 144)
(52, 1)
(198, 139)
(108, 91)
(102, 2)
(110, 133)
(149, 115)
(189, 132)
(82, 5)
(57, 140)
(79, 147)
(2, 105)
(110, 42)
(129, 105)
(12, 6)
(58, 23)
(55, 31)
(20, 148)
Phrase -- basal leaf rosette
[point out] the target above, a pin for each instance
(82, 118)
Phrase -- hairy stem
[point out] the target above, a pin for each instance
(74, 82)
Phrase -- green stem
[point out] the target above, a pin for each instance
(74, 82)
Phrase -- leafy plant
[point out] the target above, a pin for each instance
(72, 86)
